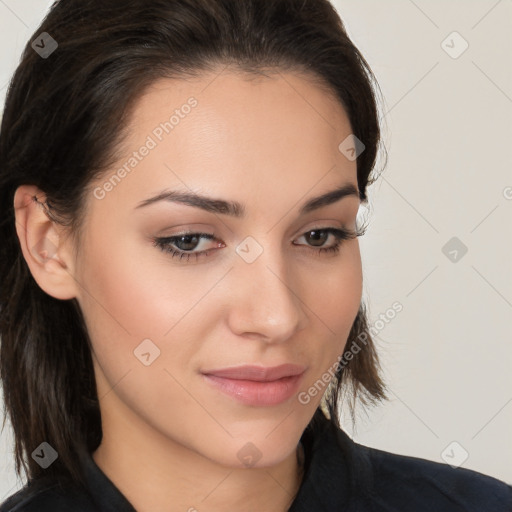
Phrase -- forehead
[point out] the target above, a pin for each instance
(229, 96)
(229, 132)
(236, 106)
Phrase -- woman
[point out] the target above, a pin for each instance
(181, 304)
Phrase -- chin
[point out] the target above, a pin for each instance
(264, 446)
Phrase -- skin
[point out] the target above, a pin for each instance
(170, 440)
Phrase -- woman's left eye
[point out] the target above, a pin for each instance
(181, 246)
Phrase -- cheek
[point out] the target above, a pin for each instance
(122, 303)
(336, 296)
(335, 300)
(131, 287)
(337, 305)
(133, 309)
(134, 293)
(120, 297)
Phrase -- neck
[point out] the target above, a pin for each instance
(162, 474)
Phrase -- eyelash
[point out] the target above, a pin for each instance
(164, 244)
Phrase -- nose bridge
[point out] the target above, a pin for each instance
(266, 302)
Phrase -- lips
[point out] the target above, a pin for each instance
(257, 385)
(258, 373)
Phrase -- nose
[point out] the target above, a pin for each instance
(265, 299)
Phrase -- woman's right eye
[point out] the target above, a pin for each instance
(182, 245)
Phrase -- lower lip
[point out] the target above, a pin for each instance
(257, 393)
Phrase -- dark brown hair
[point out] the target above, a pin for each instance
(60, 131)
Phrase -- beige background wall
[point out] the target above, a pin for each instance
(447, 355)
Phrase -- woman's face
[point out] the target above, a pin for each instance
(256, 290)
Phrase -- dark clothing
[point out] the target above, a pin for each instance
(339, 476)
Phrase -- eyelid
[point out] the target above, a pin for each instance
(340, 234)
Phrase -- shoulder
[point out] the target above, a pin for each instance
(413, 483)
(45, 495)
(354, 477)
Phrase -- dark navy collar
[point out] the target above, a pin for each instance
(338, 476)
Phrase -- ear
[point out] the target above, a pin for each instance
(46, 249)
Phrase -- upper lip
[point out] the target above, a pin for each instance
(257, 373)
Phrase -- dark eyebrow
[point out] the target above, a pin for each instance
(235, 209)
